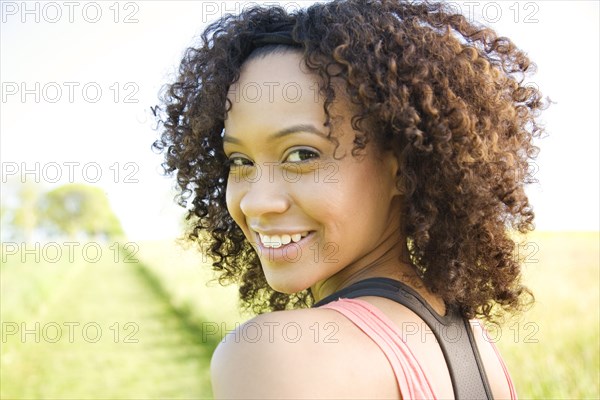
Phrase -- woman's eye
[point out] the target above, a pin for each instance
(239, 162)
(301, 155)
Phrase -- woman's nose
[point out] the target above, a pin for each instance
(265, 194)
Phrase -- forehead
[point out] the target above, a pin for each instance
(273, 77)
(273, 90)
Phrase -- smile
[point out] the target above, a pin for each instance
(276, 241)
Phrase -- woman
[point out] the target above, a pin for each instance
(357, 168)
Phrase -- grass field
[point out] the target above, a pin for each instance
(553, 350)
(94, 329)
(163, 301)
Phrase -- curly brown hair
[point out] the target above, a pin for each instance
(448, 92)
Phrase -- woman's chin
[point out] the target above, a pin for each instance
(285, 286)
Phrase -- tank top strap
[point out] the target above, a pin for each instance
(452, 331)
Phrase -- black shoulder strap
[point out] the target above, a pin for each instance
(452, 331)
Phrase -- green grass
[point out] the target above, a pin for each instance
(187, 278)
(134, 344)
(556, 351)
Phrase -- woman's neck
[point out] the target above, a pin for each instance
(390, 259)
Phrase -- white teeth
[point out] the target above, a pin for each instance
(276, 241)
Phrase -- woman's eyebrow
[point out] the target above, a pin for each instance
(283, 132)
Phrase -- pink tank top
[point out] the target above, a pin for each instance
(412, 382)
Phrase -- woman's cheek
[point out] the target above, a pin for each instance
(321, 174)
(233, 195)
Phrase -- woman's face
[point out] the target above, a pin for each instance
(311, 211)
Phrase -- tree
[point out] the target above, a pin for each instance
(80, 210)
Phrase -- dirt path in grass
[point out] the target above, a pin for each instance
(105, 334)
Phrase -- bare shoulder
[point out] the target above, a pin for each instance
(311, 353)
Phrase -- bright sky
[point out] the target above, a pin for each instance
(76, 97)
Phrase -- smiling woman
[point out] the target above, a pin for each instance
(288, 202)
(357, 168)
